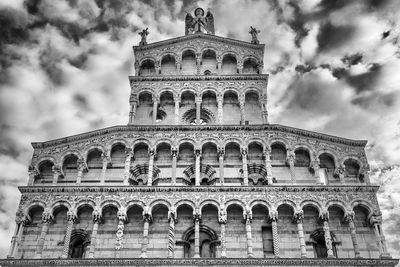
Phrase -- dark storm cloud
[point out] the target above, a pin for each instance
(304, 68)
(332, 36)
(353, 59)
(49, 61)
(376, 99)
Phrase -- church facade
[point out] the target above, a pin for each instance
(199, 176)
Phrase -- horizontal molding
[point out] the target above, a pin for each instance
(180, 77)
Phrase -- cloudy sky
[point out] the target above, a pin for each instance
(334, 68)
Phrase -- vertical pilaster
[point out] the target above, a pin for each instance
(146, 222)
(96, 215)
(219, 64)
(275, 236)
(244, 167)
(196, 220)
(298, 219)
(178, 65)
(340, 171)
(268, 164)
(106, 159)
(241, 105)
(247, 218)
(81, 168)
(128, 157)
(198, 63)
(177, 101)
(240, 66)
(220, 100)
(174, 154)
(155, 107)
(47, 218)
(71, 218)
(349, 218)
(376, 222)
(132, 112)
(221, 153)
(57, 172)
(151, 166)
(33, 173)
(222, 221)
(120, 231)
(171, 234)
(197, 154)
(314, 165)
(264, 109)
(327, 234)
(16, 239)
(157, 67)
(198, 109)
(290, 161)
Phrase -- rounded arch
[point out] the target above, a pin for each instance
(68, 153)
(167, 53)
(58, 204)
(210, 141)
(352, 157)
(279, 141)
(161, 141)
(43, 159)
(84, 202)
(34, 204)
(188, 89)
(234, 141)
(211, 202)
(109, 202)
(209, 89)
(251, 57)
(212, 48)
(337, 203)
(231, 90)
(135, 202)
(305, 147)
(328, 151)
(258, 141)
(191, 49)
(287, 202)
(312, 203)
(146, 91)
(252, 89)
(159, 202)
(142, 60)
(235, 202)
(185, 202)
(166, 90)
(141, 141)
(187, 140)
(362, 203)
(230, 53)
(260, 202)
(92, 148)
(119, 141)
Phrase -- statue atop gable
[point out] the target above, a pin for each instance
(199, 23)
(254, 32)
(144, 34)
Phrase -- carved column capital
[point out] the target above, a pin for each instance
(121, 214)
(298, 216)
(82, 166)
(47, 217)
(273, 215)
(71, 216)
(221, 152)
(348, 216)
(96, 215)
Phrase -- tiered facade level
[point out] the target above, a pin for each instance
(199, 176)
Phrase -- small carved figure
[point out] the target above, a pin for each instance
(199, 23)
(144, 34)
(254, 32)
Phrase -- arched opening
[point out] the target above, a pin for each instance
(311, 219)
(46, 172)
(166, 109)
(327, 167)
(140, 166)
(108, 227)
(58, 231)
(115, 171)
(317, 238)
(364, 231)
(352, 168)
(287, 231)
(188, 105)
(207, 242)
(255, 153)
(252, 108)
(229, 64)
(163, 161)
(209, 102)
(133, 232)
(95, 165)
(168, 65)
(70, 168)
(232, 163)
(80, 238)
(189, 63)
(206, 117)
(141, 153)
(235, 233)
(262, 246)
(144, 108)
(185, 158)
(209, 61)
(33, 230)
(278, 154)
(184, 214)
(231, 108)
(302, 158)
(158, 232)
(208, 236)
(250, 66)
(147, 68)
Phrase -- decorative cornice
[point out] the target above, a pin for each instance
(155, 128)
(262, 189)
(200, 262)
(198, 36)
(199, 77)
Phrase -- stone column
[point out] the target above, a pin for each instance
(349, 218)
(16, 239)
(219, 64)
(268, 164)
(220, 100)
(198, 63)
(71, 218)
(57, 172)
(146, 222)
(93, 241)
(240, 66)
(290, 161)
(198, 109)
(248, 217)
(221, 153)
(275, 236)
(314, 165)
(171, 234)
(340, 171)
(122, 218)
(376, 222)
(298, 219)
(196, 220)
(151, 167)
(82, 167)
(178, 65)
(327, 234)
(244, 167)
(132, 112)
(177, 110)
(155, 107)
(197, 154)
(33, 173)
(222, 222)
(241, 105)
(137, 68)
(106, 160)
(174, 154)
(264, 101)
(128, 157)
(157, 67)
(47, 218)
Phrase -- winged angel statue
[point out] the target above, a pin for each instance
(199, 23)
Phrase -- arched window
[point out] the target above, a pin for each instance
(79, 242)
(318, 242)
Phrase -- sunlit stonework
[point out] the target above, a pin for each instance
(199, 176)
